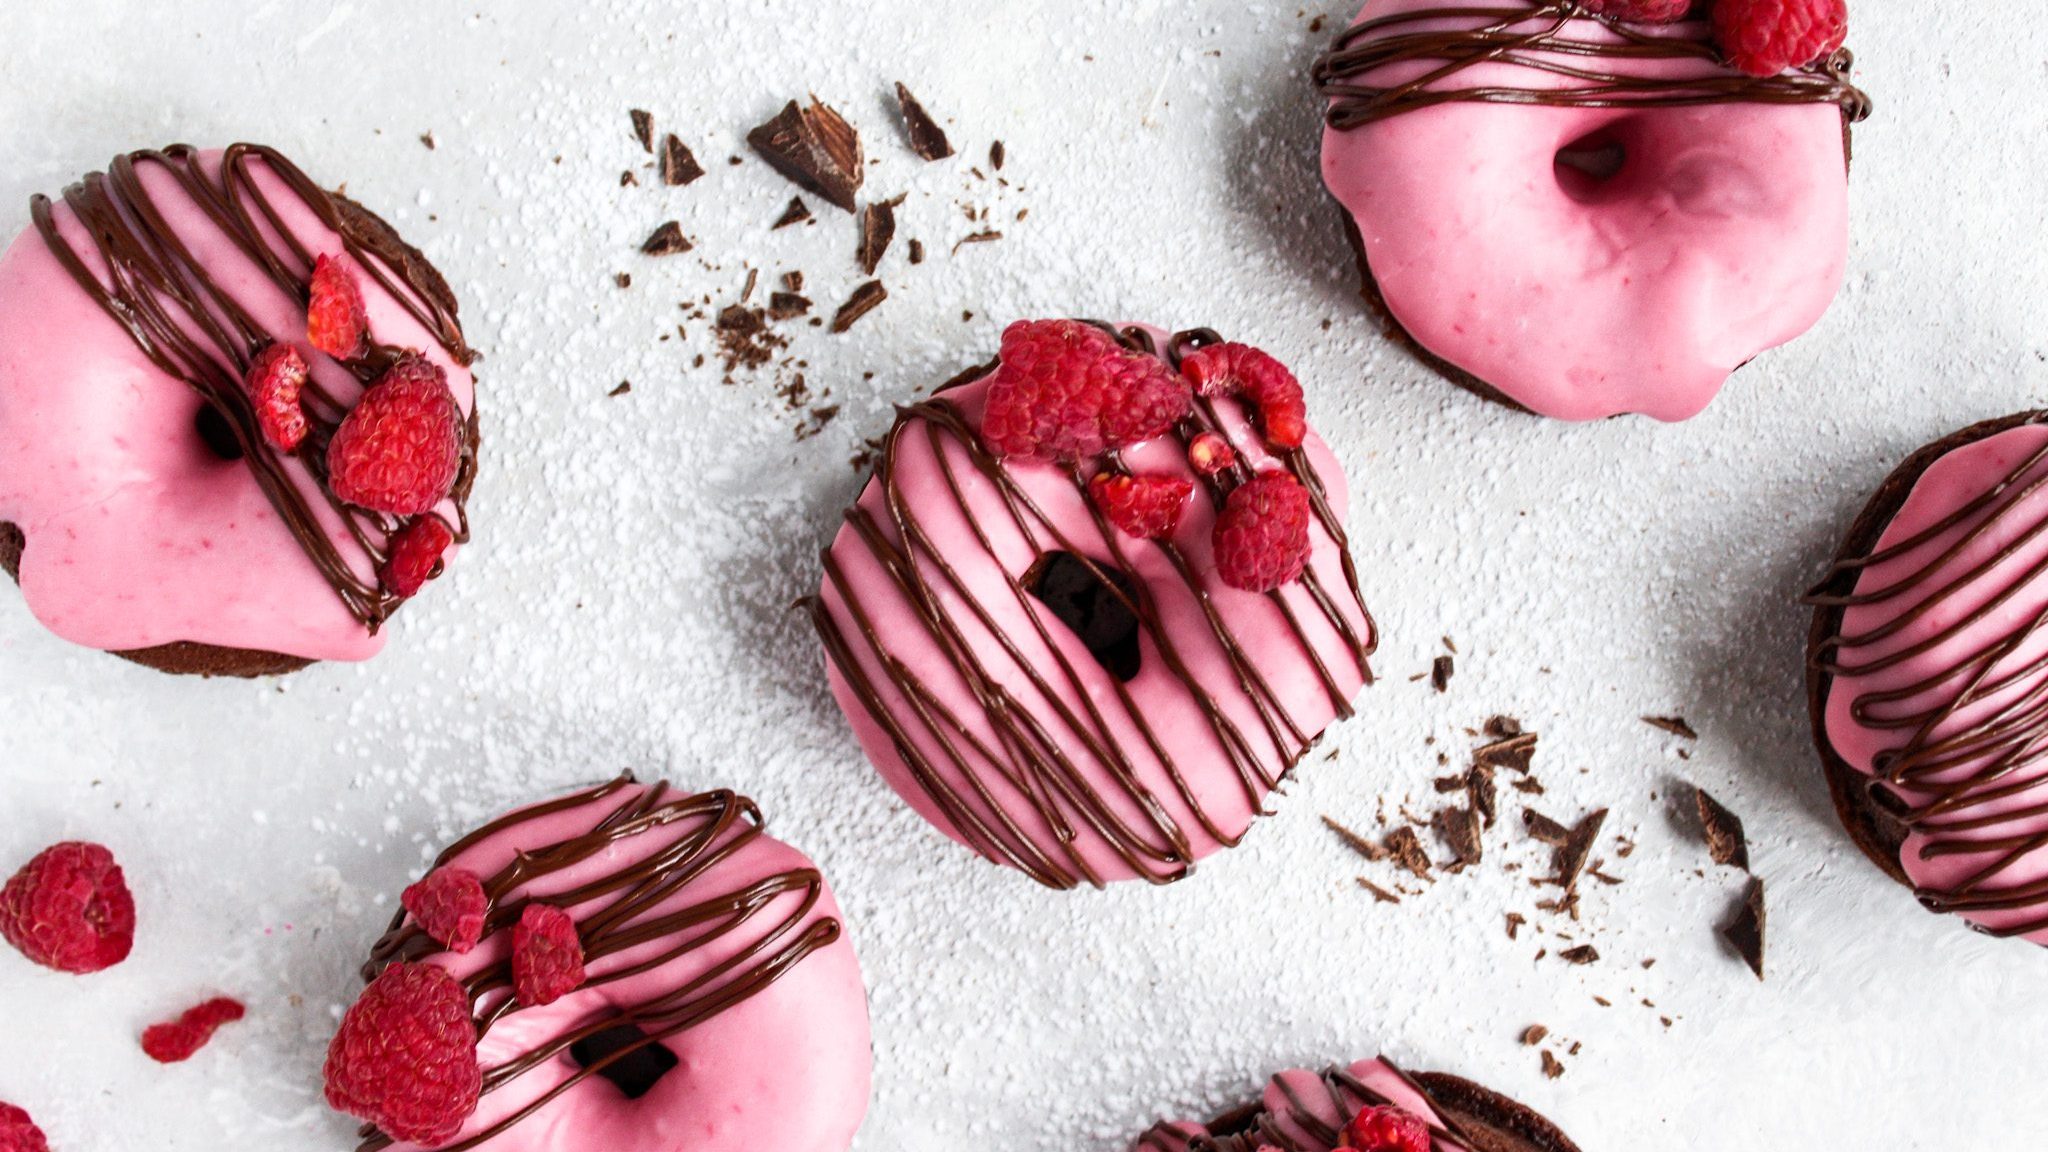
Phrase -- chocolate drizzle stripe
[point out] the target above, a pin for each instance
(714, 828)
(1027, 758)
(140, 272)
(1546, 38)
(1253, 1128)
(1956, 778)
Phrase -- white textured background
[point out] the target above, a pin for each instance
(628, 602)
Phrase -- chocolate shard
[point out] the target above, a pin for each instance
(1406, 848)
(877, 230)
(643, 128)
(983, 237)
(678, 166)
(917, 251)
(1355, 842)
(1440, 673)
(796, 213)
(1544, 828)
(1484, 794)
(1675, 725)
(816, 149)
(1378, 893)
(784, 305)
(865, 299)
(1744, 931)
(1513, 752)
(1725, 840)
(1583, 954)
(1460, 829)
(667, 240)
(927, 139)
(1552, 1067)
(1577, 847)
(624, 387)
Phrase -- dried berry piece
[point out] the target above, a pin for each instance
(1147, 507)
(69, 909)
(450, 905)
(547, 955)
(276, 383)
(1261, 536)
(181, 1039)
(398, 449)
(404, 1058)
(337, 322)
(416, 551)
(1065, 390)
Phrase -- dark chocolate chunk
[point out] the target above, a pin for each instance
(667, 240)
(927, 139)
(1440, 673)
(1544, 828)
(678, 166)
(1583, 954)
(877, 229)
(796, 213)
(643, 128)
(865, 299)
(816, 149)
(1675, 725)
(1513, 752)
(1744, 931)
(917, 251)
(1095, 603)
(1460, 829)
(996, 155)
(1725, 840)
(784, 305)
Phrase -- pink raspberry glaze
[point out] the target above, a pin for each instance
(1953, 482)
(1724, 234)
(137, 533)
(1307, 1090)
(787, 1067)
(1202, 769)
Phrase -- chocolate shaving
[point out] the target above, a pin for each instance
(678, 166)
(1515, 922)
(793, 281)
(796, 213)
(1675, 725)
(816, 149)
(643, 128)
(1534, 1034)
(877, 229)
(427, 138)
(1744, 931)
(927, 139)
(1513, 752)
(784, 305)
(1406, 848)
(1552, 1069)
(1725, 840)
(1545, 829)
(624, 387)
(667, 240)
(628, 180)
(1378, 893)
(1583, 954)
(977, 238)
(997, 154)
(1355, 842)
(1460, 829)
(1572, 854)
(865, 299)
(1485, 796)
(1440, 673)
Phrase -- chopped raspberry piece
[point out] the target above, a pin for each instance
(398, 450)
(1639, 12)
(336, 321)
(18, 1133)
(547, 955)
(450, 905)
(1147, 507)
(1066, 390)
(1210, 454)
(69, 909)
(405, 1056)
(1765, 37)
(415, 552)
(1240, 369)
(1387, 1129)
(276, 378)
(177, 1040)
(1262, 533)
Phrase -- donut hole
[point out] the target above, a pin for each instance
(216, 433)
(634, 1074)
(1091, 608)
(1589, 168)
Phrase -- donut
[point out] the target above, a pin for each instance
(1062, 696)
(1927, 670)
(144, 508)
(1304, 1112)
(1578, 216)
(720, 1008)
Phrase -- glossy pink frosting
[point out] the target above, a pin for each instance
(1301, 1085)
(787, 1068)
(2021, 579)
(1724, 234)
(138, 534)
(1166, 702)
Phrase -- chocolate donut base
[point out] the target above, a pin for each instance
(1866, 811)
(1489, 1121)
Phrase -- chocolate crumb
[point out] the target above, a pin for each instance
(628, 180)
(1603, 1001)
(1583, 954)
(865, 299)
(1503, 727)
(917, 251)
(877, 229)
(1726, 842)
(977, 238)
(623, 279)
(427, 138)
(1675, 725)
(1744, 931)
(1355, 842)
(667, 240)
(1552, 1069)
(624, 387)
(1515, 922)
(997, 154)
(796, 213)
(1378, 893)
(643, 128)
(1406, 848)
(927, 139)
(1534, 1034)
(816, 149)
(1440, 673)
(784, 305)
(678, 166)
(793, 281)
(1315, 26)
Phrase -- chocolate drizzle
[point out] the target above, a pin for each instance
(1944, 784)
(140, 271)
(1253, 1128)
(623, 920)
(1549, 38)
(1029, 757)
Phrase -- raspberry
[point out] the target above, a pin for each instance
(1065, 390)
(1639, 11)
(547, 955)
(336, 321)
(1387, 1129)
(69, 909)
(1240, 369)
(415, 552)
(1765, 37)
(1210, 454)
(1262, 533)
(450, 905)
(1147, 507)
(398, 449)
(18, 1133)
(275, 379)
(405, 1056)
(177, 1040)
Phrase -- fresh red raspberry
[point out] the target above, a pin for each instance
(1148, 507)
(1262, 533)
(405, 1056)
(1240, 369)
(1066, 390)
(450, 905)
(547, 955)
(69, 909)
(18, 1133)
(336, 321)
(1387, 1129)
(398, 449)
(178, 1039)
(1765, 37)
(276, 379)
(414, 552)
(1210, 454)
(1640, 11)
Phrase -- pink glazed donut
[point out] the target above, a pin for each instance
(1928, 676)
(1303, 1112)
(1579, 217)
(722, 1011)
(1055, 694)
(142, 511)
